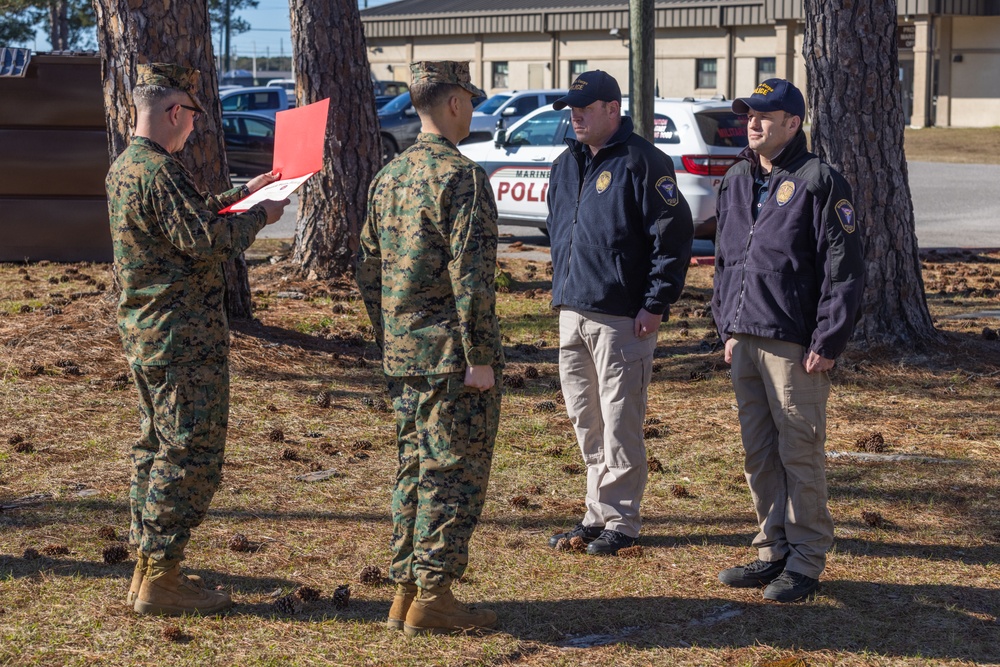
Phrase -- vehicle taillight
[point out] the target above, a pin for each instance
(706, 165)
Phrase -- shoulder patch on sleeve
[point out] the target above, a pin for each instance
(667, 187)
(845, 212)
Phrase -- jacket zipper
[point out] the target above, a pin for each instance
(576, 213)
(746, 251)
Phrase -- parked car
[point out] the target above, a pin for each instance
(509, 107)
(249, 142)
(702, 136)
(265, 100)
(391, 88)
(399, 125)
(288, 85)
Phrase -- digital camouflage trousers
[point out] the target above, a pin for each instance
(445, 433)
(177, 461)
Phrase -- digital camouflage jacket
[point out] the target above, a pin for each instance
(170, 244)
(427, 262)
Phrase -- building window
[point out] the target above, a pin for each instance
(576, 68)
(500, 75)
(705, 72)
(765, 69)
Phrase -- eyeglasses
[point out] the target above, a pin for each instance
(197, 113)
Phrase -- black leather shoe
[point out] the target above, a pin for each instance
(587, 533)
(751, 575)
(791, 587)
(609, 543)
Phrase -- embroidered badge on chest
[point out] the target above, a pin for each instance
(603, 181)
(667, 188)
(846, 214)
(785, 192)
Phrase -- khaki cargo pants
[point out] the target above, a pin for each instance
(782, 412)
(605, 372)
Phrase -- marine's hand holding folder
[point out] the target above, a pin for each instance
(299, 136)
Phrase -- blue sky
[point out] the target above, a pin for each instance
(270, 32)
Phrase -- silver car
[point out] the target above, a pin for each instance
(509, 107)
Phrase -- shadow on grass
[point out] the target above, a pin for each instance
(18, 567)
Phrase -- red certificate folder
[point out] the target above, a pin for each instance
(299, 139)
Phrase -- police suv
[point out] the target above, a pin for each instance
(702, 136)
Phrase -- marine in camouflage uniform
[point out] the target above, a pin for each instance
(169, 247)
(426, 269)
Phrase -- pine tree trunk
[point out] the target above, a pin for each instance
(857, 126)
(131, 32)
(331, 61)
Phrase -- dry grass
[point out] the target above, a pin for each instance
(972, 145)
(913, 578)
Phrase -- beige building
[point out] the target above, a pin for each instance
(949, 50)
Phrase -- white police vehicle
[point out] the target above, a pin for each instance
(702, 136)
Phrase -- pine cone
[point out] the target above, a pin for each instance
(106, 533)
(545, 406)
(519, 502)
(370, 574)
(55, 550)
(513, 381)
(679, 491)
(654, 464)
(239, 542)
(873, 519)
(577, 544)
(24, 448)
(276, 435)
(630, 552)
(342, 596)
(322, 399)
(115, 553)
(308, 594)
(288, 604)
(873, 442)
(172, 633)
(531, 372)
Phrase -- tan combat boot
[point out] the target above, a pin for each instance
(400, 605)
(437, 612)
(165, 590)
(141, 563)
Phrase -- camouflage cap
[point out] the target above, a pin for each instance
(444, 71)
(170, 76)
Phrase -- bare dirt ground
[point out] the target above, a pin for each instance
(914, 471)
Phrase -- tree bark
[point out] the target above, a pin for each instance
(131, 32)
(857, 126)
(331, 61)
(642, 59)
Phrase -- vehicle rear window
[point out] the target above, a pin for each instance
(493, 103)
(723, 128)
(664, 130)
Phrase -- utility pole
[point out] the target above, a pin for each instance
(225, 27)
(642, 70)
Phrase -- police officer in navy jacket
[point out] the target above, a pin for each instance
(621, 242)
(789, 278)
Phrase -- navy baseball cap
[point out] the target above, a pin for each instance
(590, 87)
(773, 95)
